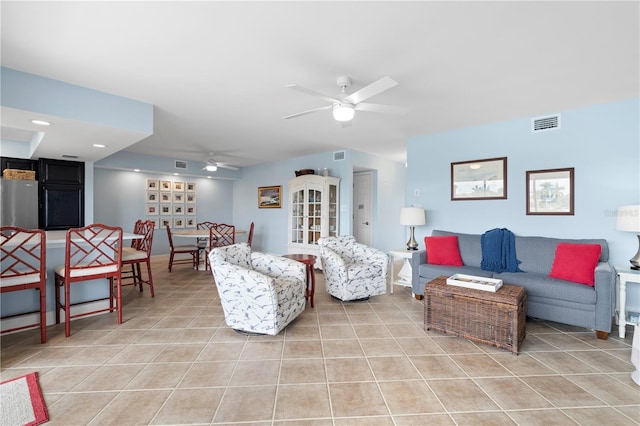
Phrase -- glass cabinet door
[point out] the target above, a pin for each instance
(333, 210)
(297, 216)
(314, 214)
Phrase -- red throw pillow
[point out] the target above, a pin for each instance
(443, 250)
(576, 262)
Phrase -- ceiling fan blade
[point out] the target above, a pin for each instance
(308, 112)
(313, 93)
(226, 166)
(385, 83)
(388, 109)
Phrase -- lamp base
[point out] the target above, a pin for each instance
(412, 244)
(635, 260)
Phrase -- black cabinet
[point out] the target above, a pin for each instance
(17, 163)
(61, 194)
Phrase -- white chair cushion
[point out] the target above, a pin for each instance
(87, 271)
(22, 279)
(133, 255)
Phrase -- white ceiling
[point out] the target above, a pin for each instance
(216, 71)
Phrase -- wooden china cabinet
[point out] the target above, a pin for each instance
(313, 212)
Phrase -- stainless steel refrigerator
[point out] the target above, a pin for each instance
(19, 203)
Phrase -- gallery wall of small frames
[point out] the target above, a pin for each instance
(171, 203)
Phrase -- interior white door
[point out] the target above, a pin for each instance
(362, 200)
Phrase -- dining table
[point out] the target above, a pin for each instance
(200, 233)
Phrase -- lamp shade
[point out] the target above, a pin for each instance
(628, 219)
(343, 112)
(412, 216)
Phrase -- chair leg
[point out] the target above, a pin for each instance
(57, 307)
(43, 315)
(119, 298)
(67, 308)
(138, 276)
(150, 278)
(170, 261)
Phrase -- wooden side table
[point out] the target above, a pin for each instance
(309, 260)
(625, 275)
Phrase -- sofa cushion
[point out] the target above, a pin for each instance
(469, 246)
(537, 253)
(541, 285)
(443, 250)
(576, 262)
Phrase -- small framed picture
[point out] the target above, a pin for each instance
(190, 210)
(153, 209)
(178, 197)
(178, 209)
(191, 187)
(152, 184)
(190, 222)
(165, 185)
(269, 197)
(550, 192)
(479, 179)
(190, 198)
(165, 210)
(165, 197)
(156, 222)
(178, 186)
(166, 222)
(178, 222)
(153, 196)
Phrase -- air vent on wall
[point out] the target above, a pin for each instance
(339, 155)
(541, 124)
(179, 164)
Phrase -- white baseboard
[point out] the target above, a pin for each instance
(23, 320)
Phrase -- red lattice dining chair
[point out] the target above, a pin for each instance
(191, 250)
(92, 252)
(203, 243)
(219, 236)
(139, 252)
(250, 238)
(23, 268)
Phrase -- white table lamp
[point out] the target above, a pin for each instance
(629, 221)
(412, 217)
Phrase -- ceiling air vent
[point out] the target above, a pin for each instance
(179, 164)
(73, 157)
(339, 155)
(541, 124)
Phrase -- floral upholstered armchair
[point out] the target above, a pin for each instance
(352, 270)
(260, 293)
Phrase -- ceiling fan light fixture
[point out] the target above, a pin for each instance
(211, 167)
(343, 112)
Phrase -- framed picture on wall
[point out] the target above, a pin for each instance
(550, 192)
(178, 186)
(479, 179)
(178, 209)
(165, 185)
(165, 197)
(269, 197)
(153, 196)
(190, 198)
(166, 222)
(153, 184)
(190, 222)
(165, 209)
(156, 222)
(153, 209)
(178, 222)
(190, 187)
(178, 197)
(190, 210)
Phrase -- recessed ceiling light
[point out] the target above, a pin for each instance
(136, 170)
(99, 145)
(41, 122)
(176, 174)
(208, 177)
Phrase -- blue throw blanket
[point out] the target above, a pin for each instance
(499, 251)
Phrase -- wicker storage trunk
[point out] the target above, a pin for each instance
(15, 174)
(496, 319)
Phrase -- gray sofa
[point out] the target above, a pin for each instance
(548, 298)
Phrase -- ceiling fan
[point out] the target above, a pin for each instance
(345, 105)
(212, 165)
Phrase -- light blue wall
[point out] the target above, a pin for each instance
(271, 224)
(601, 142)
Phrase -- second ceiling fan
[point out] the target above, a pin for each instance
(345, 105)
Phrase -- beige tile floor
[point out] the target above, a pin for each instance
(174, 361)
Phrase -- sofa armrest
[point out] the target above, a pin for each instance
(604, 284)
(277, 266)
(417, 258)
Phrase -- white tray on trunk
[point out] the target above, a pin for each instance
(478, 283)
